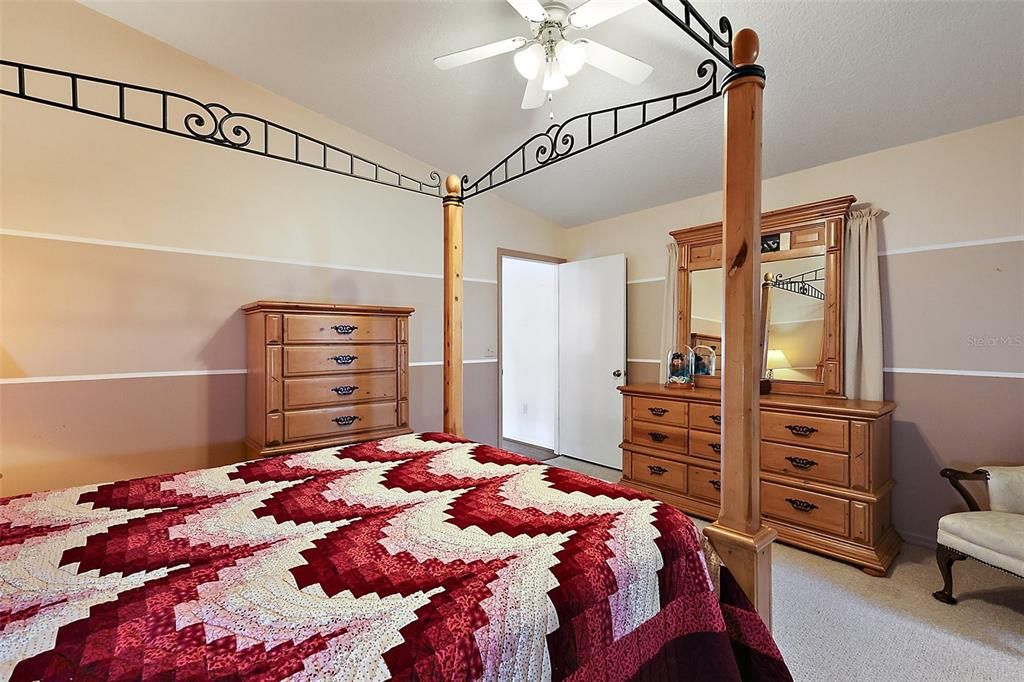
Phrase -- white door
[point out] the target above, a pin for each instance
(591, 358)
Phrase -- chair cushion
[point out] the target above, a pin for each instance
(1006, 489)
(997, 538)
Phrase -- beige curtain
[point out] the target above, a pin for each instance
(670, 309)
(862, 306)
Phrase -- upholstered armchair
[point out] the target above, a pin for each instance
(994, 537)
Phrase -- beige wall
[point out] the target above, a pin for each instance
(124, 250)
(952, 274)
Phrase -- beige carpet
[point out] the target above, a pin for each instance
(834, 622)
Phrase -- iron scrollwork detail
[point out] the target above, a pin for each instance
(716, 484)
(346, 420)
(802, 462)
(801, 505)
(344, 390)
(344, 329)
(716, 418)
(657, 437)
(717, 43)
(657, 411)
(657, 470)
(184, 116)
(344, 359)
(716, 448)
(801, 430)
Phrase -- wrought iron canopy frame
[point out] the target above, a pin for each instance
(214, 123)
(802, 283)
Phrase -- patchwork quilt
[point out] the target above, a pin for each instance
(422, 557)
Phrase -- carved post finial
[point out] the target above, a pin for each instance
(453, 185)
(746, 47)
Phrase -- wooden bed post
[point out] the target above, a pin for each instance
(738, 536)
(453, 305)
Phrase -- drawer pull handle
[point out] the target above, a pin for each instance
(347, 420)
(657, 470)
(344, 390)
(717, 418)
(657, 437)
(344, 359)
(801, 430)
(715, 483)
(657, 411)
(802, 463)
(716, 447)
(344, 328)
(801, 505)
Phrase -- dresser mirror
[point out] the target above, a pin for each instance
(801, 306)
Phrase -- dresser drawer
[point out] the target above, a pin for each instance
(661, 436)
(706, 445)
(805, 464)
(815, 432)
(304, 360)
(339, 390)
(805, 509)
(659, 411)
(706, 417)
(338, 420)
(704, 483)
(338, 328)
(660, 472)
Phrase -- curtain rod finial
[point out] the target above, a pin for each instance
(745, 47)
(453, 184)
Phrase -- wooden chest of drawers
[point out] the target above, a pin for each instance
(321, 375)
(826, 482)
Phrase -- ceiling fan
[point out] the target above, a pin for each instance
(548, 58)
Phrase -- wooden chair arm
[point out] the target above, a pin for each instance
(955, 476)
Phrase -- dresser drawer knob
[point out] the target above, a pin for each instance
(657, 411)
(802, 463)
(801, 505)
(344, 328)
(347, 420)
(657, 437)
(344, 390)
(716, 418)
(657, 470)
(716, 447)
(344, 359)
(801, 430)
(715, 483)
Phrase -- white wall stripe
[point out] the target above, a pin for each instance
(954, 372)
(223, 254)
(645, 280)
(646, 360)
(436, 363)
(953, 245)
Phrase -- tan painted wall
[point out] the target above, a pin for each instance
(127, 251)
(951, 310)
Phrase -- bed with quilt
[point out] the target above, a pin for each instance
(421, 557)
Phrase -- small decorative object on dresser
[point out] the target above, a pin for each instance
(322, 375)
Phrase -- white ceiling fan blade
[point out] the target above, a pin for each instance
(594, 12)
(534, 95)
(475, 54)
(613, 62)
(531, 10)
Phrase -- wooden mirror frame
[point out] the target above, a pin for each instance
(821, 223)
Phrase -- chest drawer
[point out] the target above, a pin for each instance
(706, 445)
(661, 436)
(660, 411)
(338, 328)
(660, 472)
(811, 465)
(704, 483)
(814, 432)
(338, 420)
(339, 390)
(706, 417)
(806, 509)
(304, 360)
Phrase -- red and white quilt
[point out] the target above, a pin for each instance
(420, 557)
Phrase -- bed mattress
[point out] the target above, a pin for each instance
(420, 557)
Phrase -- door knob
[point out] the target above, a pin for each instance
(617, 373)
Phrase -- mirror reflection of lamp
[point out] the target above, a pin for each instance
(776, 360)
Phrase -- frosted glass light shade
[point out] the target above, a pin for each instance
(777, 359)
(529, 61)
(554, 79)
(570, 56)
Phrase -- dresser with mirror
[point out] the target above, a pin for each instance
(826, 482)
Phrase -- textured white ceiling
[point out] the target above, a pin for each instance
(844, 78)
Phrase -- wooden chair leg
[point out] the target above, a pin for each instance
(944, 557)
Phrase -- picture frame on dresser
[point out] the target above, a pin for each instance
(323, 374)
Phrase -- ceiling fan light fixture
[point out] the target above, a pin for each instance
(570, 56)
(529, 61)
(554, 79)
